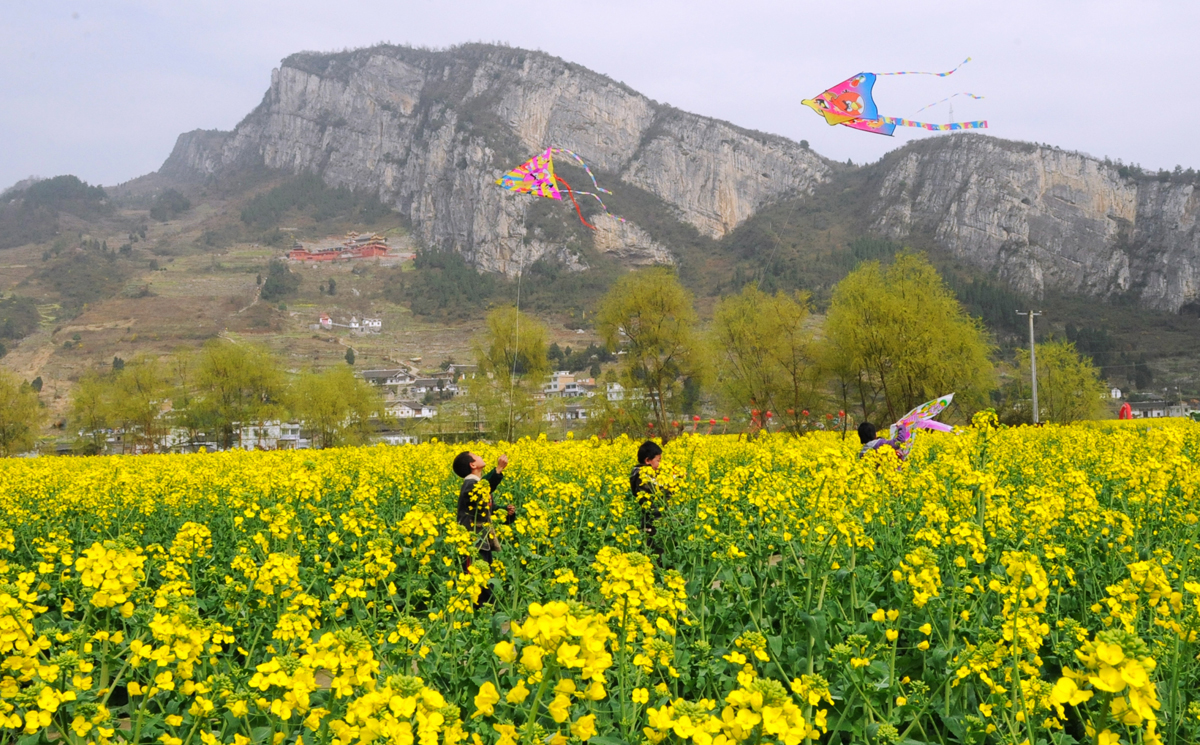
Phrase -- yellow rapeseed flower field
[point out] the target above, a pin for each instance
(1028, 585)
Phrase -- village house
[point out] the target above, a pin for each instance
(411, 410)
(391, 380)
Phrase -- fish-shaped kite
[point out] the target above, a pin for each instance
(851, 104)
(536, 176)
(922, 416)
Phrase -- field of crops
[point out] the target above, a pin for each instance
(1001, 586)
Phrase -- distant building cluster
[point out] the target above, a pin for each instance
(354, 325)
(354, 246)
(410, 395)
(1159, 409)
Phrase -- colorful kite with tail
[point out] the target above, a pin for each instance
(850, 103)
(536, 176)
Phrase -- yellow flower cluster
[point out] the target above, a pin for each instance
(113, 572)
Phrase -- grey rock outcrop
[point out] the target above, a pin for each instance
(1045, 220)
(430, 132)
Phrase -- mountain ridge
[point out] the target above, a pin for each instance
(428, 131)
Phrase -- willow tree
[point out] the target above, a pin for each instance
(1069, 385)
(91, 411)
(511, 353)
(20, 415)
(896, 336)
(765, 354)
(335, 406)
(236, 385)
(649, 316)
(140, 399)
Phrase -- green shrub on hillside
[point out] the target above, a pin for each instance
(19, 317)
(281, 281)
(169, 204)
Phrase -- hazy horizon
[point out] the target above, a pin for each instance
(102, 91)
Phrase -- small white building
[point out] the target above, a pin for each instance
(326, 322)
(1148, 409)
(576, 413)
(614, 392)
(390, 379)
(372, 325)
(411, 410)
(1115, 393)
(398, 439)
(271, 435)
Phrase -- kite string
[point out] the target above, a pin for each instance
(938, 74)
(944, 100)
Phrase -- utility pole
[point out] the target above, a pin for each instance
(1032, 359)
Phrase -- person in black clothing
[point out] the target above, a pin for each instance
(644, 488)
(476, 505)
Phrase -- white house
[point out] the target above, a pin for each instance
(373, 325)
(1148, 409)
(271, 435)
(411, 410)
(399, 439)
(576, 413)
(579, 389)
(1114, 393)
(614, 392)
(390, 379)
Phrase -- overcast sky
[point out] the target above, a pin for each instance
(102, 89)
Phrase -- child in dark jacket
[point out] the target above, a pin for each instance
(644, 488)
(476, 505)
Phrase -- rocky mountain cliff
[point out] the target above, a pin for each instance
(430, 131)
(1046, 220)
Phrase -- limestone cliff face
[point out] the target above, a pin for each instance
(430, 132)
(1045, 220)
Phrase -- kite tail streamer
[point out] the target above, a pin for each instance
(952, 127)
(939, 74)
(583, 165)
(603, 206)
(571, 194)
(947, 98)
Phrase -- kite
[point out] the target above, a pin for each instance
(851, 104)
(922, 416)
(536, 176)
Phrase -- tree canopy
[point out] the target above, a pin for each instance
(236, 384)
(897, 337)
(1069, 385)
(20, 415)
(765, 353)
(335, 406)
(649, 315)
(511, 352)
